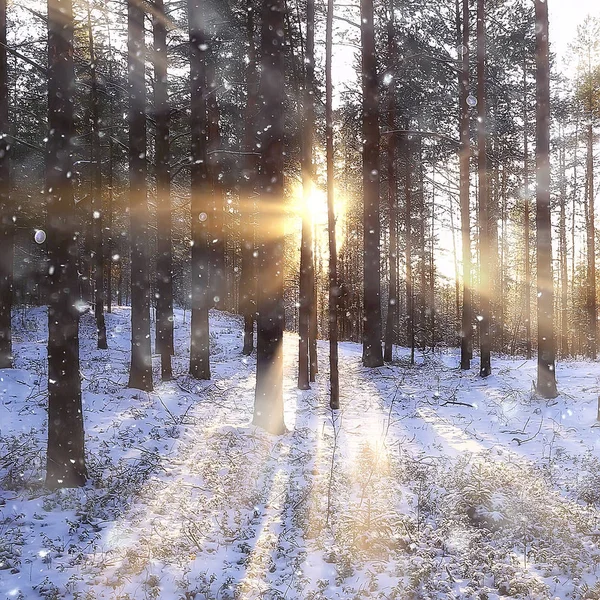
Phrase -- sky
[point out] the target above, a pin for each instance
(565, 15)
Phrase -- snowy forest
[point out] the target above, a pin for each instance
(298, 299)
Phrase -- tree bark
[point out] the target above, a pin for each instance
(268, 402)
(485, 263)
(546, 376)
(591, 242)
(140, 373)
(66, 455)
(164, 261)
(564, 277)
(6, 211)
(334, 392)
(248, 288)
(466, 343)
(391, 333)
(201, 193)
(372, 350)
(96, 195)
(526, 217)
(307, 272)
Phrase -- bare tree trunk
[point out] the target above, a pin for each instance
(140, 373)
(201, 193)
(334, 393)
(591, 240)
(526, 209)
(410, 308)
(6, 213)
(218, 277)
(164, 261)
(268, 402)
(546, 376)
(391, 333)
(96, 195)
(65, 465)
(466, 342)
(564, 277)
(485, 263)
(372, 351)
(307, 273)
(248, 279)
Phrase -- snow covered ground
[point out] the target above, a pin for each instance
(428, 483)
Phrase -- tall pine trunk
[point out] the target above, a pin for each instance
(268, 402)
(307, 273)
(218, 242)
(334, 394)
(372, 350)
(485, 262)
(66, 455)
(391, 332)
(164, 260)
(201, 192)
(546, 376)
(96, 195)
(526, 216)
(466, 338)
(564, 277)
(248, 226)
(410, 302)
(140, 373)
(6, 213)
(591, 247)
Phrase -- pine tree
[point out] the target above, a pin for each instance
(546, 375)
(268, 403)
(140, 372)
(6, 216)
(66, 456)
(164, 262)
(372, 350)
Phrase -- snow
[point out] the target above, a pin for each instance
(428, 483)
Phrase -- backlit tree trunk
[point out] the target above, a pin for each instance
(248, 278)
(485, 262)
(6, 213)
(268, 402)
(66, 457)
(391, 332)
(546, 376)
(201, 193)
(96, 195)
(334, 393)
(140, 373)
(164, 261)
(466, 344)
(372, 350)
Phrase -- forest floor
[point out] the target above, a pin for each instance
(428, 483)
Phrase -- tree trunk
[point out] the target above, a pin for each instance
(466, 338)
(391, 332)
(217, 242)
(248, 213)
(564, 278)
(268, 402)
(307, 273)
(591, 240)
(66, 455)
(140, 374)
(164, 261)
(334, 395)
(6, 212)
(546, 376)
(526, 209)
(485, 263)
(372, 350)
(201, 193)
(410, 308)
(96, 195)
